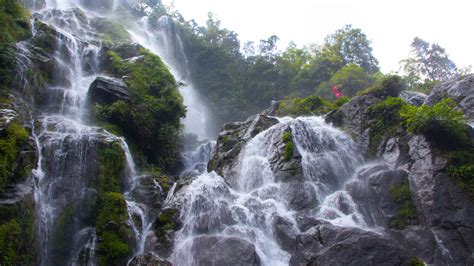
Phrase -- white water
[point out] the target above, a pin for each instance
(248, 208)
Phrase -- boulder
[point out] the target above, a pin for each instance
(106, 90)
(353, 118)
(330, 245)
(217, 250)
(148, 259)
(461, 90)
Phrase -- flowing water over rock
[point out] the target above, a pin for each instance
(256, 216)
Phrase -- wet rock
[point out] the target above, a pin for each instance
(461, 90)
(106, 90)
(284, 233)
(331, 245)
(353, 118)
(214, 250)
(98, 5)
(148, 259)
(233, 138)
(299, 195)
(414, 98)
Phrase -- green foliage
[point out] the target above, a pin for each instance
(287, 138)
(393, 85)
(406, 213)
(11, 141)
(151, 121)
(312, 105)
(17, 232)
(13, 22)
(415, 261)
(165, 222)
(114, 245)
(441, 124)
(111, 168)
(461, 168)
(352, 79)
(341, 101)
(110, 31)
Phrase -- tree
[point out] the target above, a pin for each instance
(351, 79)
(428, 62)
(353, 47)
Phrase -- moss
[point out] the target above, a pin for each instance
(111, 31)
(461, 168)
(114, 235)
(63, 230)
(111, 168)
(406, 213)
(287, 138)
(151, 121)
(226, 141)
(384, 120)
(165, 222)
(13, 22)
(415, 261)
(13, 138)
(17, 227)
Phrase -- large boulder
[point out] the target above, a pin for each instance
(215, 250)
(353, 118)
(106, 90)
(330, 245)
(414, 98)
(148, 259)
(461, 90)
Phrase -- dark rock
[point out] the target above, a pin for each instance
(214, 250)
(148, 259)
(414, 98)
(106, 90)
(299, 195)
(331, 245)
(98, 5)
(233, 138)
(461, 90)
(353, 118)
(284, 233)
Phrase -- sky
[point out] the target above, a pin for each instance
(390, 25)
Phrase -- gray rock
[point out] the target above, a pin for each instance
(331, 245)
(414, 98)
(284, 233)
(353, 118)
(461, 90)
(106, 90)
(148, 259)
(214, 250)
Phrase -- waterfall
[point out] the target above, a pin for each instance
(256, 205)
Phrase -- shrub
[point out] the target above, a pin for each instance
(441, 123)
(14, 137)
(393, 85)
(312, 105)
(287, 138)
(406, 212)
(461, 168)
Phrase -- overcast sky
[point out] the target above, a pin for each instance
(390, 25)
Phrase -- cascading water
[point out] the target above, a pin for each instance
(252, 211)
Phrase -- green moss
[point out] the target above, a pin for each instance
(13, 22)
(111, 31)
(11, 141)
(461, 168)
(114, 235)
(384, 120)
(441, 124)
(415, 261)
(287, 138)
(111, 168)
(63, 230)
(17, 224)
(165, 222)
(406, 213)
(151, 121)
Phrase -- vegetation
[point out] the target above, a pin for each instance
(406, 213)
(441, 124)
(384, 119)
(11, 141)
(111, 31)
(151, 120)
(287, 138)
(165, 222)
(415, 261)
(312, 105)
(461, 168)
(111, 168)
(17, 233)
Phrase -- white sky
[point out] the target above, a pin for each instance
(390, 25)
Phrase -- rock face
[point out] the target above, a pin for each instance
(231, 140)
(330, 245)
(414, 98)
(148, 259)
(212, 250)
(353, 118)
(106, 90)
(461, 90)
